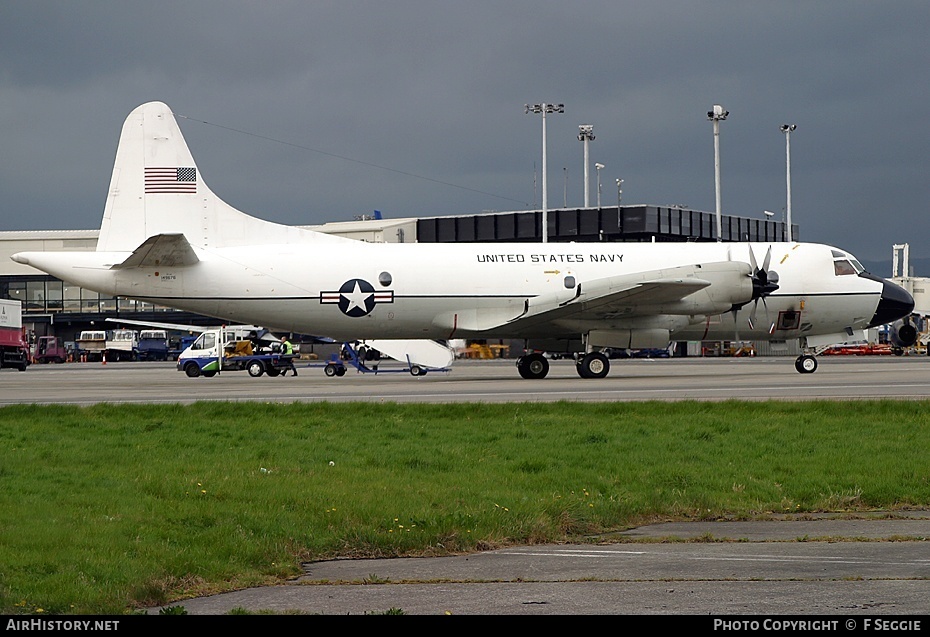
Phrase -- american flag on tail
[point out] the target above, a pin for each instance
(170, 180)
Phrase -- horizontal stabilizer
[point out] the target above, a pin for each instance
(165, 250)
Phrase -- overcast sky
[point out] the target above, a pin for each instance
(309, 111)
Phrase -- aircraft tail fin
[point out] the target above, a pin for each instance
(157, 189)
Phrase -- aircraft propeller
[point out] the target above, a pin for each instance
(764, 282)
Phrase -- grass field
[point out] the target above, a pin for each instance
(111, 508)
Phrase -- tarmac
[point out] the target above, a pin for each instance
(830, 564)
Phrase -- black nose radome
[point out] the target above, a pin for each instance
(896, 303)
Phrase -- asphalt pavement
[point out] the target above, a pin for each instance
(867, 564)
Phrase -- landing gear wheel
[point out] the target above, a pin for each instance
(192, 370)
(533, 366)
(593, 365)
(255, 369)
(806, 364)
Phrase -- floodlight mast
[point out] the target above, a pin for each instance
(598, 167)
(586, 134)
(787, 129)
(716, 116)
(544, 108)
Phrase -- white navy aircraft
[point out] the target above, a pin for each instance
(167, 239)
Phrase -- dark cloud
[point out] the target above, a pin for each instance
(312, 112)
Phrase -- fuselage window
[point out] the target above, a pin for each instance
(842, 267)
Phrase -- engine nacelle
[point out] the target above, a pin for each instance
(902, 333)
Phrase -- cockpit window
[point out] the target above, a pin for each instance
(859, 267)
(842, 267)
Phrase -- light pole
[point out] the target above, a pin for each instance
(586, 134)
(598, 167)
(545, 108)
(716, 116)
(787, 129)
(619, 192)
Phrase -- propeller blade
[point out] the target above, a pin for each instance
(752, 314)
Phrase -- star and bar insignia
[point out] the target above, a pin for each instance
(357, 298)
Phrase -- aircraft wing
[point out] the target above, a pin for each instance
(180, 326)
(168, 250)
(630, 294)
(263, 334)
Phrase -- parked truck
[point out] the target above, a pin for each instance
(177, 344)
(235, 349)
(153, 345)
(91, 345)
(49, 349)
(14, 350)
(122, 345)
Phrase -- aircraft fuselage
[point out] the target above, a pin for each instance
(441, 291)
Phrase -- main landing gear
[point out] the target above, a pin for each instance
(533, 366)
(592, 365)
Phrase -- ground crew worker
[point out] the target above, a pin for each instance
(288, 350)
